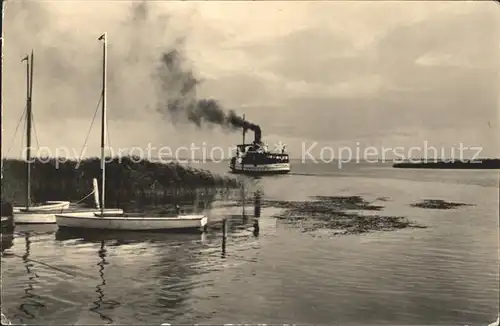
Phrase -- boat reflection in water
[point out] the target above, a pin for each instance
(31, 302)
(160, 252)
(125, 237)
(100, 304)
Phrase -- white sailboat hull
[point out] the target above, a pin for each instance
(34, 218)
(47, 206)
(44, 217)
(92, 220)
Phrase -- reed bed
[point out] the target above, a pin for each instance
(127, 182)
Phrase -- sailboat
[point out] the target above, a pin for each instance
(39, 213)
(106, 219)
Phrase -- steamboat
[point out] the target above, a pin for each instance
(256, 159)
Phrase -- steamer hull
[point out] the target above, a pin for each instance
(264, 169)
(256, 160)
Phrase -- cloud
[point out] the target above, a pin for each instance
(442, 59)
(312, 70)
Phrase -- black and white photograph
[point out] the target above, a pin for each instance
(226, 162)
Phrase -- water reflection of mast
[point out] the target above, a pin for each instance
(29, 296)
(100, 303)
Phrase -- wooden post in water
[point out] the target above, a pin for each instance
(244, 131)
(257, 201)
(224, 237)
(256, 227)
(243, 200)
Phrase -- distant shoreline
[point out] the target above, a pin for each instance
(396, 163)
(478, 164)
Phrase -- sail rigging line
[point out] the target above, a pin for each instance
(25, 127)
(81, 200)
(90, 129)
(34, 130)
(107, 131)
(45, 264)
(15, 132)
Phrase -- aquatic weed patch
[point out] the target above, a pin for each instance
(331, 213)
(351, 202)
(438, 204)
(326, 204)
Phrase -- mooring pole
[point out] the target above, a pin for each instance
(224, 237)
(244, 130)
(256, 227)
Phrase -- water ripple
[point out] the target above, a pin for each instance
(445, 274)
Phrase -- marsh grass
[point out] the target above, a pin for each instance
(127, 183)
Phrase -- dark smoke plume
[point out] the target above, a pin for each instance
(178, 86)
(147, 68)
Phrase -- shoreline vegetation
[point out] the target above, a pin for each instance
(479, 164)
(127, 183)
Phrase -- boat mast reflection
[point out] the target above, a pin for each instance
(29, 296)
(100, 304)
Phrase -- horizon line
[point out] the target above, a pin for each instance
(305, 160)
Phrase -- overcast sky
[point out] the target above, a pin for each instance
(378, 73)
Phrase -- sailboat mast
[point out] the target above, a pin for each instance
(31, 79)
(29, 83)
(1, 80)
(103, 122)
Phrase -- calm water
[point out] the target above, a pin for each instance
(444, 274)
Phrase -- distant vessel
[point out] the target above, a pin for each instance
(255, 158)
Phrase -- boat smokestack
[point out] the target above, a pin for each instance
(244, 131)
(258, 133)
